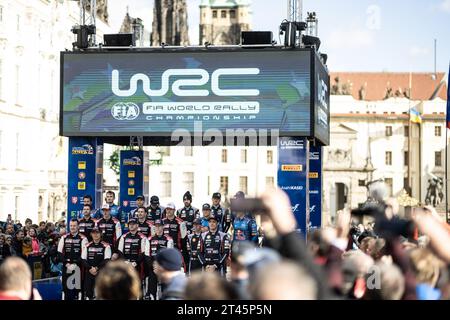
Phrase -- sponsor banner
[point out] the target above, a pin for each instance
(133, 168)
(85, 158)
(315, 186)
(292, 177)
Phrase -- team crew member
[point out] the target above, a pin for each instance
(156, 243)
(223, 215)
(193, 246)
(115, 209)
(69, 253)
(244, 228)
(87, 199)
(145, 226)
(188, 214)
(155, 211)
(94, 256)
(206, 210)
(140, 202)
(214, 248)
(174, 226)
(132, 246)
(109, 227)
(86, 224)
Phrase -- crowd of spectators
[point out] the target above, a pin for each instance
(30, 240)
(369, 253)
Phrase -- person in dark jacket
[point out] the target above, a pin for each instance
(4, 248)
(168, 270)
(17, 244)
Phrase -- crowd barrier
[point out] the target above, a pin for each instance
(50, 288)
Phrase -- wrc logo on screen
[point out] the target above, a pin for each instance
(199, 78)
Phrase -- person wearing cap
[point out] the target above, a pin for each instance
(223, 215)
(155, 211)
(86, 224)
(140, 202)
(132, 247)
(110, 228)
(174, 226)
(145, 226)
(156, 242)
(94, 256)
(214, 248)
(244, 227)
(167, 268)
(193, 246)
(188, 214)
(206, 210)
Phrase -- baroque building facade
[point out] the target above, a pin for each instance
(222, 21)
(33, 157)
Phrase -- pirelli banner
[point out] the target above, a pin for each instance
(293, 168)
(152, 92)
(85, 174)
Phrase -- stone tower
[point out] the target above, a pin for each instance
(221, 21)
(170, 23)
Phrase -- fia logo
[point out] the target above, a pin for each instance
(125, 111)
(312, 209)
(295, 207)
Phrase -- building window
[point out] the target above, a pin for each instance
(361, 183)
(17, 84)
(389, 186)
(406, 156)
(1, 14)
(223, 14)
(1, 78)
(188, 178)
(232, 14)
(269, 156)
(406, 131)
(388, 158)
(437, 131)
(18, 23)
(18, 160)
(388, 131)
(165, 151)
(188, 151)
(16, 207)
(224, 185)
(166, 184)
(243, 156)
(270, 181)
(1, 144)
(438, 158)
(214, 13)
(209, 185)
(243, 183)
(224, 156)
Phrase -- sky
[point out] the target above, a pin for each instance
(357, 35)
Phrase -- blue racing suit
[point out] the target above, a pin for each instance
(244, 229)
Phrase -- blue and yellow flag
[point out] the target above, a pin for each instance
(415, 115)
